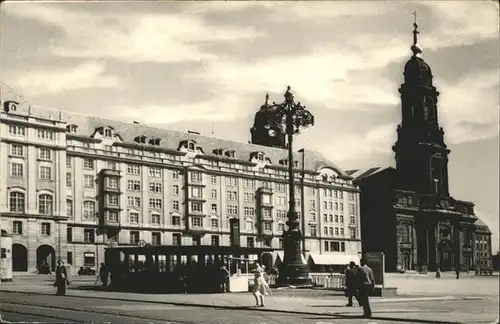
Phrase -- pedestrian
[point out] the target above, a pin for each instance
(351, 283)
(366, 285)
(61, 278)
(104, 274)
(224, 278)
(260, 287)
(457, 272)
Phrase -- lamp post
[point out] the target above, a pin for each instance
(302, 199)
(291, 117)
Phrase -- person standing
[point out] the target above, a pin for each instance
(104, 274)
(260, 288)
(351, 283)
(61, 278)
(367, 283)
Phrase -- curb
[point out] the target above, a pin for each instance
(408, 320)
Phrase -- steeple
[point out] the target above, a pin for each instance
(421, 153)
(261, 133)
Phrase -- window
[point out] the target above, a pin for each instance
(45, 205)
(68, 161)
(313, 216)
(88, 210)
(312, 191)
(155, 218)
(342, 232)
(17, 150)
(249, 211)
(176, 239)
(88, 181)
(196, 192)
(266, 212)
(45, 134)
(352, 232)
(88, 235)
(330, 205)
(248, 183)
(250, 242)
(17, 130)
(352, 196)
(155, 203)
(249, 197)
(88, 164)
(231, 195)
(176, 220)
(17, 227)
(17, 169)
(69, 234)
(16, 202)
(196, 240)
(113, 199)
(45, 229)
(69, 207)
(341, 206)
(213, 179)
(268, 226)
(336, 218)
(214, 208)
(341, 219)
(155, 187)
(352, 209)
(312, 230)
(175, 189)
(175, 174)
(45, 173)
(214, 193)
(133, 217)
(281, 227)
(266, 199)
(156, 238)
(336, 231)
(133, 169)
(196, 207)
(248, 225)
(133, 185)
(134, 237)
(196, 176)
(312, 205)
(231, 181)
(153, 172)
(341, 195)
(280, 243)
(132, 201)
(214, 240)
(334, 246)
(88, 259)
(69, 180)
(336, 206)
(325, 205)
(214, 223)
(232, 209)
(280, 213)
(280, 187)
(327, 246)
(113, 183)
(196, 222)
(175, 204)
(352, 220)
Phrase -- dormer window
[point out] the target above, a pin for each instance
(191, 146)
(325, 177)
(71, 128)
(296, 163)
(260, 157)
(140, 139)
(108, 132)
(230, 153)
(283, 162)
(218, 151)
(154, 141)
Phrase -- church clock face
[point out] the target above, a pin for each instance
(272, 132)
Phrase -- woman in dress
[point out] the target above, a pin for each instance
(260, 287)
(61, 278)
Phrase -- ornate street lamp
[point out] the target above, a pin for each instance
(290, 117)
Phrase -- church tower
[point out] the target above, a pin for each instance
(421, 153)
(262, 133)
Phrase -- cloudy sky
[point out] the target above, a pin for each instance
(206, 66)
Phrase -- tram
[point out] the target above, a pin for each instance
(181, 269)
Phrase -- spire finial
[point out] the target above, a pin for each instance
(267, 98)
(415, 48)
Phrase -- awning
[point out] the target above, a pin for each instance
(281, 256)
(334, 259)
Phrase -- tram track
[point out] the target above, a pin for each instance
(130, 318)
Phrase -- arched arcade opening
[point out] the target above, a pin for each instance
(19, 257)
(45, 254)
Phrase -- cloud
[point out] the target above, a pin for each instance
(139, 37)
(49, 81)
(468, 109)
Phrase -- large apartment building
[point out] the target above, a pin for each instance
(70, 185)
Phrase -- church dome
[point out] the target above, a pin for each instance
(417, 72)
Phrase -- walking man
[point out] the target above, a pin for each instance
(367, 283)
(351, 283)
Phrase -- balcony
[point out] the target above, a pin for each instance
(200, 199)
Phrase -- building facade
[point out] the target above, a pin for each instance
(408, 212)
(72, 185)
(483, 249)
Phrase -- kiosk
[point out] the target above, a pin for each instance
(6, 257)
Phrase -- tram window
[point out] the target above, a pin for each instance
(141, 262)
(162, 263)
(131, 262)
(184, 259)
(172, 262)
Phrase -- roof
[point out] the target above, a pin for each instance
(170, 139)
(480, 223)
(359, 174)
